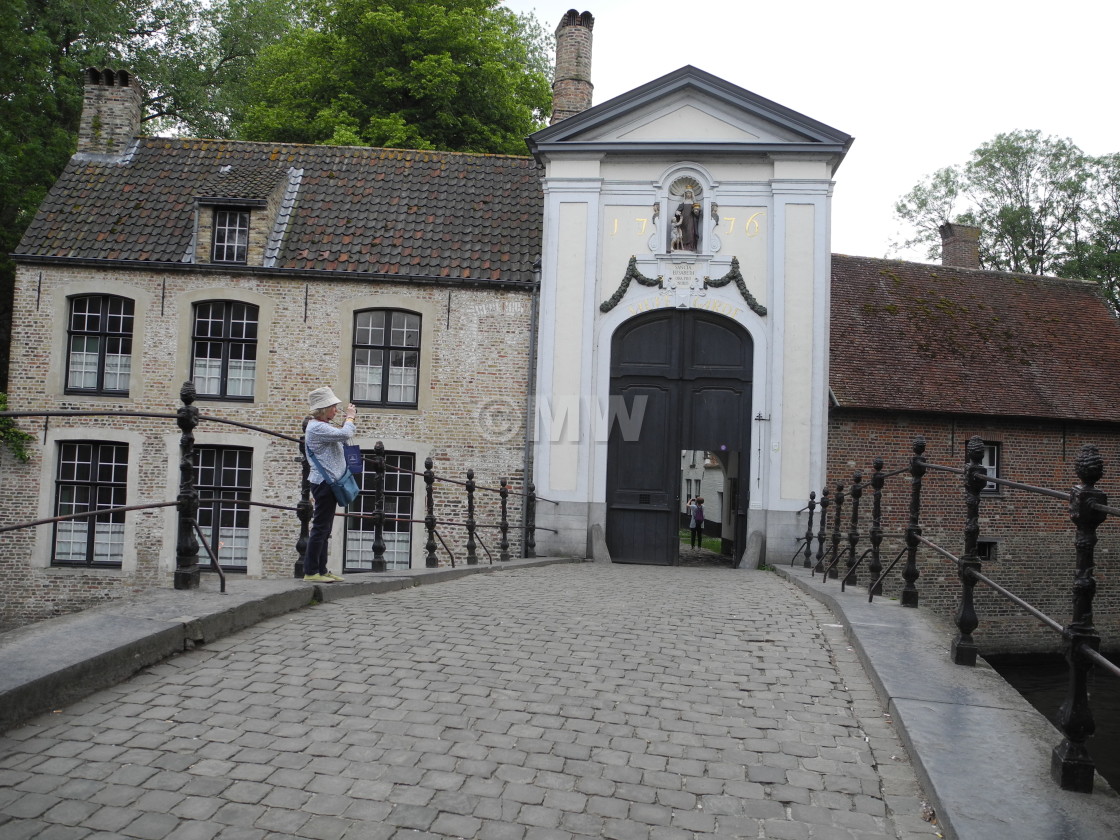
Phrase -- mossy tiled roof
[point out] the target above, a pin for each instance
(358, 210)
(915, 337)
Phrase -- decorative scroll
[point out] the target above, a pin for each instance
(632, 273)
(737, 276)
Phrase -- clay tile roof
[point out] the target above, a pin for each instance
(914, 337)
(245, 182)
(356, 210)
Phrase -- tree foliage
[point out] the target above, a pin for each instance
(188, 55)
(1042, 205)
(1095, 254)
(457, 75)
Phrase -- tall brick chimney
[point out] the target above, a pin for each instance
(960, 245)
(571, 86)
(111, 112)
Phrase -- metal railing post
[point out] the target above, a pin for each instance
(472, 557)
(909, 595)
(187, 573)
(503, 556)
(856, 492)
(875, 566)
(1071, 766)
(531, 521)
(825, 502)
(808, 564)
(378, 564)
(963, 649)
(303, 506)
(430, 561)
(836, 518)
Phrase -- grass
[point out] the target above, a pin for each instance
(710, 543)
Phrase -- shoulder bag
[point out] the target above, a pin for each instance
(345, 487)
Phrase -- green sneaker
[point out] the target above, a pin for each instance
(333, 576)
(317, 579)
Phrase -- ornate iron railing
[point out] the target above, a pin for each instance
(190, 538)
(1071, 764)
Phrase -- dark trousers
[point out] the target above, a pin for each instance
(694, 534)
(322, 523)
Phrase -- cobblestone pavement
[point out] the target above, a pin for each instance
(570, 701)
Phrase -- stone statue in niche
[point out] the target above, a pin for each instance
(687, 217)
(678, 232)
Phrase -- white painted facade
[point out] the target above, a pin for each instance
(764, 182)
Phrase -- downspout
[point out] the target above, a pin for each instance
(530, 400)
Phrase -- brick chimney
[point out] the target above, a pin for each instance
(111, 112)
(960, 245)
(571, 86)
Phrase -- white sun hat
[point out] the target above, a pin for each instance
(323, 398)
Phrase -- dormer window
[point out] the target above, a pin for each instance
(231, 236)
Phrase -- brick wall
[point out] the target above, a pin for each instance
(473, 383)
(1035, 540)
(110, 113)
(571, 86)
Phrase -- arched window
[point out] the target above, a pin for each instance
(99, 345)
(91, 476)
(386, 358)
(224, 349)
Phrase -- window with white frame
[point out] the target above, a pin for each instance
(231, 236)
(99, 345)
(386, 357)
(397, 530)
(224, 349)
(224, 478)
(990, 462)
(90, 476)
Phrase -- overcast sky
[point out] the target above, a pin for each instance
(919, 85)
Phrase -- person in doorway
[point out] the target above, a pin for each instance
(324, 440)
(696, 523)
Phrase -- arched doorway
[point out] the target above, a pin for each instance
(693, 370)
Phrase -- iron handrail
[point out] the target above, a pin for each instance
(1042, 617)
(885, 573)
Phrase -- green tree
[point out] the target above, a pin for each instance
(1029, 195)
(457, 75)
(1095, 254)
(192, 59)
(188, 55)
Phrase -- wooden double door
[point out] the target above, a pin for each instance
(691, 372)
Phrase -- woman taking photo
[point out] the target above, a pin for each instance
(324, 441)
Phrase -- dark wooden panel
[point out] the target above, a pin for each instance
(648, 347)
(716, 347)
(641, 505)
(718, 416)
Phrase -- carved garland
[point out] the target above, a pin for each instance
(632, 273)
(737, 276)
(734, 274)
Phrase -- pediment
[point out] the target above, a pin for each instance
(688, 122)
(689, 108)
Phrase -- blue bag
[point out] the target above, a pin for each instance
(354, 460)
(345, 487)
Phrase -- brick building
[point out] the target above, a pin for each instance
(1026, 363)
(403, 279)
